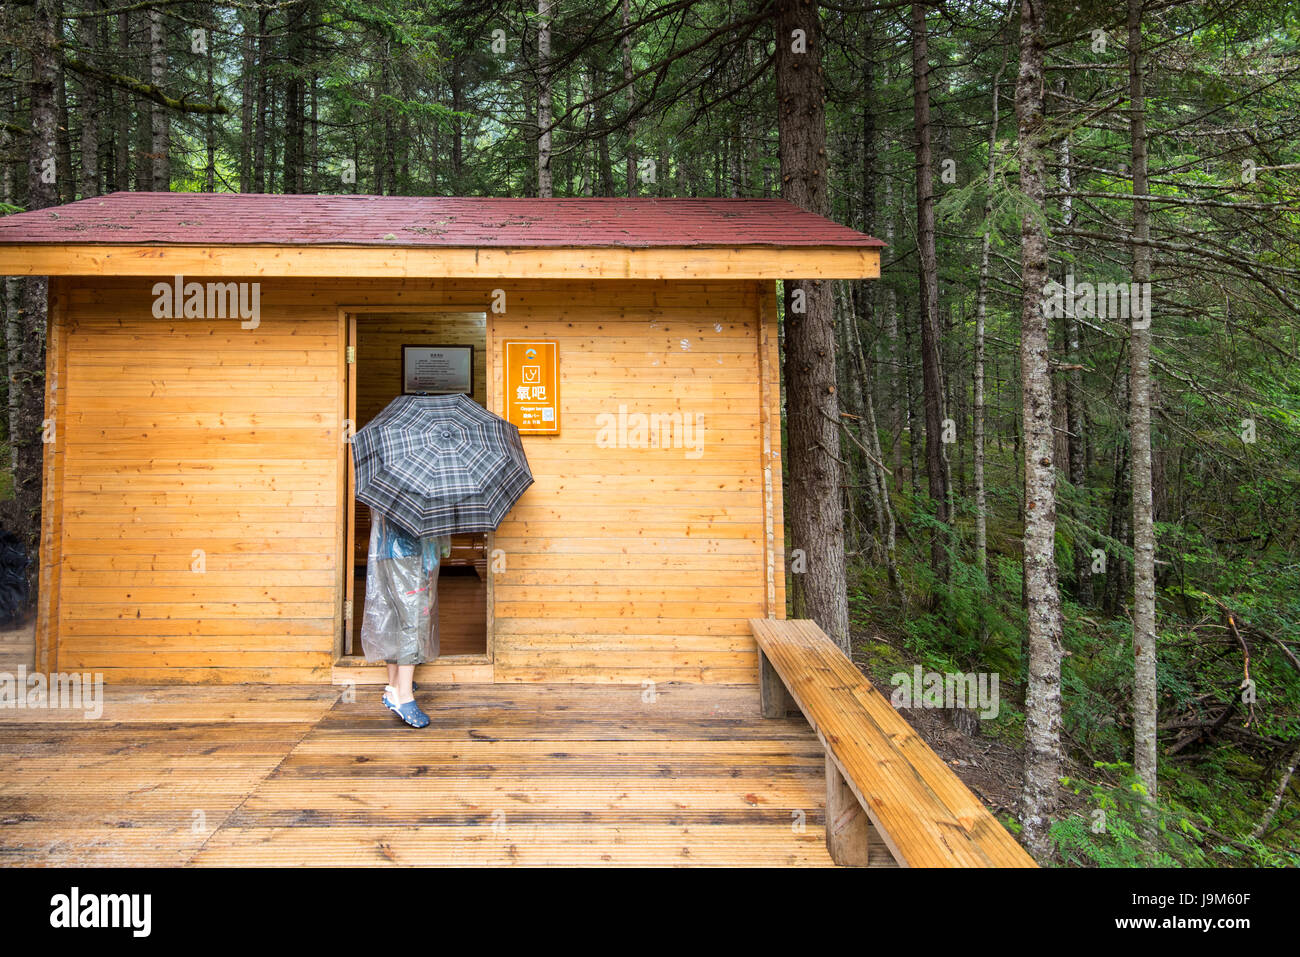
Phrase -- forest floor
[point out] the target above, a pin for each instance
(991, 767)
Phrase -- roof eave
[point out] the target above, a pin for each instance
(440, 262)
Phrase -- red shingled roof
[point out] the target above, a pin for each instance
(280, 220)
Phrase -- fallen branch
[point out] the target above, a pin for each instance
(1204, 731)
(1245, 650)
(1262, 826)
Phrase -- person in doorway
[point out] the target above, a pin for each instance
(400, 622)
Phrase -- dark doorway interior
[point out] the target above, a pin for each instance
(377, 380)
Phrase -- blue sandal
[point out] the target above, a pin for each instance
(409, 712)
(384, 699)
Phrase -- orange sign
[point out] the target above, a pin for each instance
(533, 385)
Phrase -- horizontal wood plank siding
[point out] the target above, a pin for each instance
(632, 564)
(621, 564)
(189, 436)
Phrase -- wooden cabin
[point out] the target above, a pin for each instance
(210, 355)
(208, 359)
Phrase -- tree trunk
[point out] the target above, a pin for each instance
(1118, 523)
(389, 160)
(246, 119)
(138, 59)
(816, 516)
(1039, 795)
(1144, 538)
(878, 481)
(11, 288)
(259, 137)
(913, 416)
(119, 169)
(159, 125)
(857, 385)
(981, 313)
(298, 20)
(457, 126)
(528, 96)
(209, 124)
(1075, 422)
(606, 167)
(928, 313)
(272, 141)
(313, 176)
(26, 353)
(864, 384)
(88, 103)
(67, 184)
(631, 100)
(544, 182)
(897, 382)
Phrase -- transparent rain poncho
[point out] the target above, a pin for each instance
(400, 622)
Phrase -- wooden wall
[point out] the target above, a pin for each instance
(188, 440)
(634, 564)
(622, 564)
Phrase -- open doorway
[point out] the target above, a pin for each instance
(432, 352)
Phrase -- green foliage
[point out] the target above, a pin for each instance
(1109, 833)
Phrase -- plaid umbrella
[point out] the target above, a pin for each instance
(438, 464)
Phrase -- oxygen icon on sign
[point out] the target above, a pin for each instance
(531, 374)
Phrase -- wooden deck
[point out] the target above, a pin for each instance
(535, 774)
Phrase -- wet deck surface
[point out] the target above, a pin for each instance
(537, 774)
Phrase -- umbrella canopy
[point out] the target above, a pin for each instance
(438, 464)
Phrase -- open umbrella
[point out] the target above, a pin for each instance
(439, 464)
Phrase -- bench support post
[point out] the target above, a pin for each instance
(775, 699)
(847, 825)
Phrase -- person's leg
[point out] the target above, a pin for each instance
(407, 613)
(400, 699)
(392, 677)
(403, 683)
(390, 689)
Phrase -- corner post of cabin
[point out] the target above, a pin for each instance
(848, 828)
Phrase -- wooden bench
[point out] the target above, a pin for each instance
(878, 769)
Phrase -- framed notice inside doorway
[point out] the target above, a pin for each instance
(437, 370)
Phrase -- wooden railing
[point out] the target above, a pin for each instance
(878, 768)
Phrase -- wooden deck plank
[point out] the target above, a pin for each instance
(527, 844)
(562, 774)
(191, 703)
